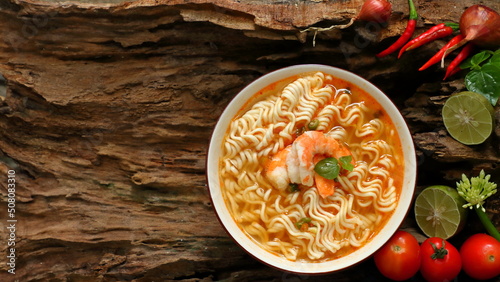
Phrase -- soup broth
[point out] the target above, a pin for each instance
(267, 170)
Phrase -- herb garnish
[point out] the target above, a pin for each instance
(313, 124)
(330, 168)
(484, 75)
(293, 187)
(302, 221)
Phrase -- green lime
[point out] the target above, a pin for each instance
(468, 117)
(439, 212)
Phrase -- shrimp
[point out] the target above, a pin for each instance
(325, 187)
(295, 163)
(277, 169)
(306, 147)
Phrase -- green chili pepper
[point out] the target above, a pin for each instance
(313, 124)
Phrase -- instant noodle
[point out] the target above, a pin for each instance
(267, 166)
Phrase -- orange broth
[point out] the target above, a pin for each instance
(358, 96)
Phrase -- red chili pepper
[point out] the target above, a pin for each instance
(435, 32)
(441, 53)
(453, 72)
(407, 34)
(454, 66)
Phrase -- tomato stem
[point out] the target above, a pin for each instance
(396, 248)
(439, 253)
(485, 220)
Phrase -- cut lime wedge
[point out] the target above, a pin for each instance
(439, 212)
(468, 117)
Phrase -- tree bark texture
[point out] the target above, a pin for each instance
(109, 108)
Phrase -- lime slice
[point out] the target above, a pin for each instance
(439, 212)
(468, 117)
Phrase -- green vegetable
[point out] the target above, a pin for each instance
(439, 253)
(484, 75)
(300, 131)
(475, 61)
(345, 162)
(330, 168)
(293, 187)
(313, 124)
(475, 191)
(302, 221)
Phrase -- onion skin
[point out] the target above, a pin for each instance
(377, 11)
(481, 25)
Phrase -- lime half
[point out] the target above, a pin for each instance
(468, 117)
(439, 212)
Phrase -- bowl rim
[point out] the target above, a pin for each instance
(248, 244)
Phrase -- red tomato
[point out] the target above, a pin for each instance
(481, 256)
(440, 260)
(399, 258)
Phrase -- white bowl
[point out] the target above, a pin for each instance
(214, 154)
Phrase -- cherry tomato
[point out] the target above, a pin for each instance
(481, 256)
(399, 258)
(440, 260)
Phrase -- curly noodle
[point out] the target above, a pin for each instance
(347, 219)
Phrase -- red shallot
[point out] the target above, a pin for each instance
(377, 11)
(479, 25)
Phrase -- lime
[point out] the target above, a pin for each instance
(439, 212)
(468, 117)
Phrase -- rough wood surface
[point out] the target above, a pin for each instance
(109, 110)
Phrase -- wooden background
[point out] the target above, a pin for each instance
(107, 108)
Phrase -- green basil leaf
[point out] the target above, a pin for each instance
(328, 168)
(345, 162)
(485, 81)
(495, 59)
(466, 64)
(479, 58)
